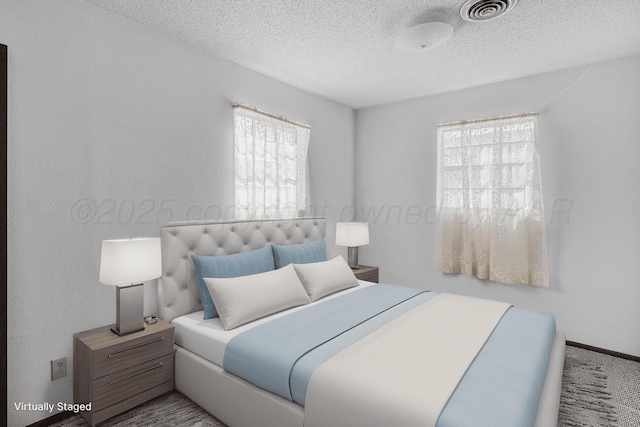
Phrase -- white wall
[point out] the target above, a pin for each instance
(109, 118)
(590, 154)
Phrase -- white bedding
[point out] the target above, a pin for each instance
(414, 378)
(208, 338)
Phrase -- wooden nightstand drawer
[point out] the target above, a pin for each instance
(124, 384)
(115, 373)
(117, 357)
(95, 417)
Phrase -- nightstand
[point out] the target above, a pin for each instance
(115, 373)
(365, 272)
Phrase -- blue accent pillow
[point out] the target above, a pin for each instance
(227, 266)
(303, 253)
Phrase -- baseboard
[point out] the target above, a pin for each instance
(604, 351)
(53, 419)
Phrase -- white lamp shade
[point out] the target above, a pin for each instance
(126, 261)
(352, 234)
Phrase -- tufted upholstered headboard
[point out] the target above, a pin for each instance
(178, 291)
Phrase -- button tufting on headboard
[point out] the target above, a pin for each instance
(178, 291)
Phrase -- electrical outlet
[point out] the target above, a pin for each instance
(58, 368)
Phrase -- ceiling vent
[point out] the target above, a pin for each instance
(485, 10)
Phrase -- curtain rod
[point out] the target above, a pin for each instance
(488, 119)
(275, 116)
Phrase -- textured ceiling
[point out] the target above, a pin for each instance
(344, 49)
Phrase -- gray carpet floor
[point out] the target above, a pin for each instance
(597, 391)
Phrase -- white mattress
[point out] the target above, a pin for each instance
(208, 339)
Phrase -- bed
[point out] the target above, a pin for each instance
(239, 403)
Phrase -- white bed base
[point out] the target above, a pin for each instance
(238, 403)
(231, 399)
(549, 404)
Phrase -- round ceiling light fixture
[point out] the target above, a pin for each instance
(423, 37)
(485, 10)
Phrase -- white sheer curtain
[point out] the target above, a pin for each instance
(490, 211)
(270, 165)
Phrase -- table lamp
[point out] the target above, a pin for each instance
(126, 263)
(352, 235)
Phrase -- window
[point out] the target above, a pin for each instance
(270, 165)
(489, 201)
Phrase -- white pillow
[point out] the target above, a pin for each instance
(240, 300)
(323, 278)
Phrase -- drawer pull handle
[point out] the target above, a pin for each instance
(159, 365)
(135, 346)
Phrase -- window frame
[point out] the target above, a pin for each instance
(272, 193)
(494, 190)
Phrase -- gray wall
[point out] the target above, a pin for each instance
(589, 149)
(115, 129)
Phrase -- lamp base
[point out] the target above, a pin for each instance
(121, 333)
(353, 258)
(129, 309)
